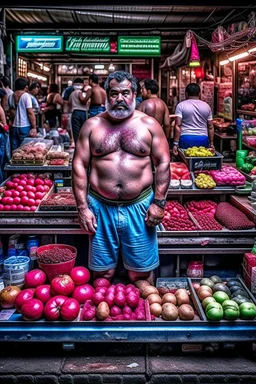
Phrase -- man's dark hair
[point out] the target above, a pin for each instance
(192, 89)
(54, 88)
(34, 85)
(2, 93)
(151, 85)
(20, 83)
(120, 76)
(94, 78)
(78, 80)
(6, 82)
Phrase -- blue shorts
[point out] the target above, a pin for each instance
(122, 228)
(95, 110)
(188, 141)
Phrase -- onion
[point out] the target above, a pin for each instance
(155, 309)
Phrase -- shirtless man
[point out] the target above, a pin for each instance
(153, 106)
(112, 182)
(97, 95)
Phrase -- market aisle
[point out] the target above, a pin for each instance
(123, 364)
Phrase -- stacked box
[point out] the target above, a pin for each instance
(249, 271)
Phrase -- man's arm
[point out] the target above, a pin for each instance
(31, 117)
(177, 132)
(80, 168)
(166, 123)
(160, 155)
(87, 97)
(210, 128)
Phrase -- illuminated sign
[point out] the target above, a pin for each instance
(88, 44)
(139, 46)
(38, 44)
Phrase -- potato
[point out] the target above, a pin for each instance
(155, 309)
(186, 312)
(180, 291)
(148, 290)
(102, 311)
(169, 298)
(182, 297)
(154, 298)
(141, 284)
(169, 311)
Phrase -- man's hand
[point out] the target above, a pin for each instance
(175, 150)
(87, 221)
(154, 215)
(211, 147)
(32, 132)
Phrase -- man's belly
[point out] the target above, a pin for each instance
(123, 181)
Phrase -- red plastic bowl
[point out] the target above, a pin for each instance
(62, 268)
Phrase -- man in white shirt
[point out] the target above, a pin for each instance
(24, 120)
(193, 122)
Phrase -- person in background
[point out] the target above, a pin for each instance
(86, 86)
(24, 120)
(153, 106)
(54, 102)
(33, 91)
(4, 139)
(96, 95)
(139, 96)
(112, 182)
(193, 121)
(79, 110)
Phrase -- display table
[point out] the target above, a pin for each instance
(224, 136)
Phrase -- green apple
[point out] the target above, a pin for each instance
(220, 296)
(247, 311)
(214, 311)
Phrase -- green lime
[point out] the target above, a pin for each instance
(239, 162)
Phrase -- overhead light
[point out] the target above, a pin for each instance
(35, 76)
(239, 56)
(111, 67)
(99, 66)
(252, 50)
(224, 62)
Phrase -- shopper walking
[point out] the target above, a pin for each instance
(153, 106)
(193, 121)
(96, 95)
(113, 179)
(21, 109)
(54, 103)
(79, 110)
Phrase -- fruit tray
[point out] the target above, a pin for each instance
(147, 313)
(23, 213)
(238, 279)
(202, 163)
(174, 283)
(58, 207)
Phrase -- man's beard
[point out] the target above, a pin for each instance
(120, 114)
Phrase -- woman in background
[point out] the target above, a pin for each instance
(54, 102)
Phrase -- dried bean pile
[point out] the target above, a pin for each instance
(207, 222)
(55, 255)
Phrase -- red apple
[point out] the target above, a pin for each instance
(19, 188)
(23, 297)
(82, 293)
(40, 188)
(23, 193)
(70, 310)
(80, 275)
(43, 293)
(24, 200)
(62, 285)
(32, 310)
(34, 278)
(52, 307)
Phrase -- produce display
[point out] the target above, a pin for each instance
(31, 151)
(250, 141)
(231, 218)
(204, 181)
(198, 152)
(114, 303)
(169, 306)
(227, 176)
(61, 201)
(201, 206)
(24, 192)
(179, 171)
(207, 222)
(176, 217)
(55, 255)
(225, 299)
(248, 165)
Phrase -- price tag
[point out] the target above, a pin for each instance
(6, 314)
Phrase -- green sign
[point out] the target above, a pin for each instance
(139, 46)
(88, 44)
(26, 43)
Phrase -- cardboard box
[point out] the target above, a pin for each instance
(249, 271)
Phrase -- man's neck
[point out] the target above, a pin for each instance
(193, 97)
(153, 96)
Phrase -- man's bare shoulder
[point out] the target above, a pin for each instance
(148, 120)
(94, 122)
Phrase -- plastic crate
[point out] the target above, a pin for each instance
(202, 163)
